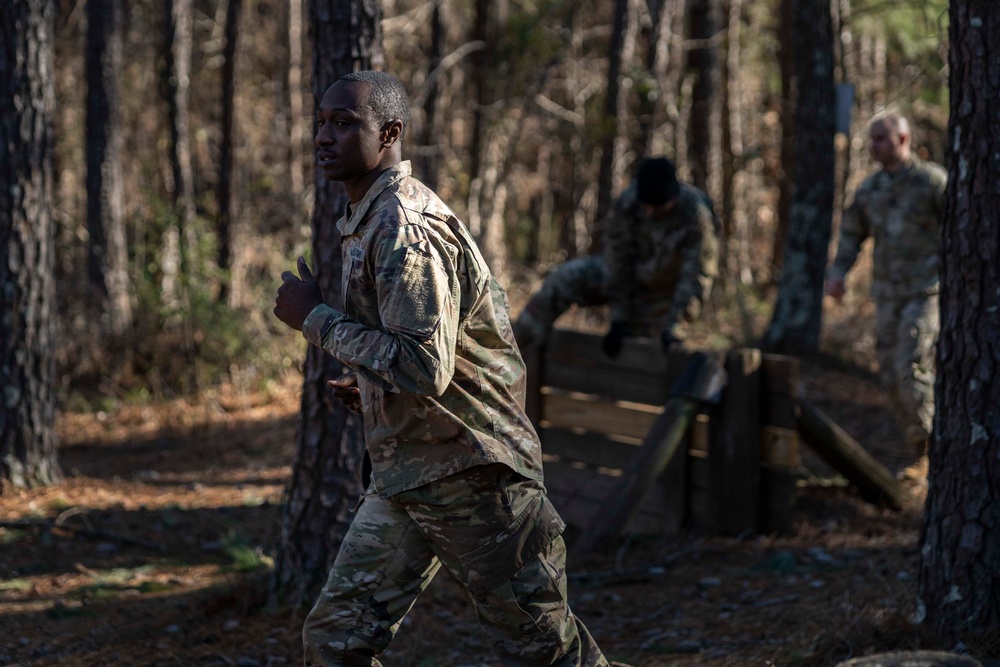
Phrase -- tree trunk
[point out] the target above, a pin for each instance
(605, 177)
(795, 324)
(296, 103)
(27, 259)
(958, 591)
(430, 134)
(176, 90)
(487, 190)
(225, 199)
(732, 206)
(326, 482)
(702, 66)
(108, 249)
(786, 67)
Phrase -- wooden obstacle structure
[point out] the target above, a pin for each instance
(655, 443)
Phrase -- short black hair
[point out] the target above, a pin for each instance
(388, 98)
(656, 181)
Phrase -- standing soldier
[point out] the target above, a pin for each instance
(456, 466)
(661, 255)
(900, 207)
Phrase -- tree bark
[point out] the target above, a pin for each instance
(605, 176)
(27, 259)
(176, 91)
(795, 324)
(326, 482)
(958, 591)
(296, 103)
(703, 67)
(108, 249)
(225, 199)
(787, 69)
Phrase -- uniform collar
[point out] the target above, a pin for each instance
(356, 214)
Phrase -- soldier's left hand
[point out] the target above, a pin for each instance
(297, 297)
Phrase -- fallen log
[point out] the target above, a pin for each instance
(912, 659)
(843, 453)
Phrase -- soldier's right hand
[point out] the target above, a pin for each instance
(834, 287)
(345, 389)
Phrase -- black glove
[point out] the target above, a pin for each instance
(668, 340)
(613, 339)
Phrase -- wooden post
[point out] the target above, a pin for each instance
(779, 447)
(734, 446)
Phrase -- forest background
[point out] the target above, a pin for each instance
(511, 124)
(184, 176)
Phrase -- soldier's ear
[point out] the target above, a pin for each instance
(391, 132)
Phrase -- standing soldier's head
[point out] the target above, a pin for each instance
(890, 141)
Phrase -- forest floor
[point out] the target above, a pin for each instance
(154, 551)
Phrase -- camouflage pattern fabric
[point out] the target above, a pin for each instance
(494, 532)
(654, 272)
(902, 213)
(426, 327)
(907, 331)
(456, 464)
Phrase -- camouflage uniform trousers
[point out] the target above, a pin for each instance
(907, 331)
(494, 532)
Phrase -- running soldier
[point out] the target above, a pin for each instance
(456, 465)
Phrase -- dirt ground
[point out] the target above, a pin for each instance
(154, 551)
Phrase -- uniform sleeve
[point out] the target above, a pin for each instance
(418, 299)
(939, 181)
(620, 258)
(854, 229)
(699, 258)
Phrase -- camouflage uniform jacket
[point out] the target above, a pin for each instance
(426, 327)
(659, 270)
(902, 212)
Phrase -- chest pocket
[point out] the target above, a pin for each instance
(473, 275)
(416, 303)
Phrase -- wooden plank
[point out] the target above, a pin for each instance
(591, 448)
(703, 375)
(570, 411)
(613, 382)
(673, 480)
(843, 453)
(657, 449)
(734, 446)
(641, 373)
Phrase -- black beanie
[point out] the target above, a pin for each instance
(656, 181)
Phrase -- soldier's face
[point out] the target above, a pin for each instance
(886, 144)
(348, 140)
(659, 210)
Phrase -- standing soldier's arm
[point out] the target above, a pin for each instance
(619, 259)
(699, 258)
(854, 229)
